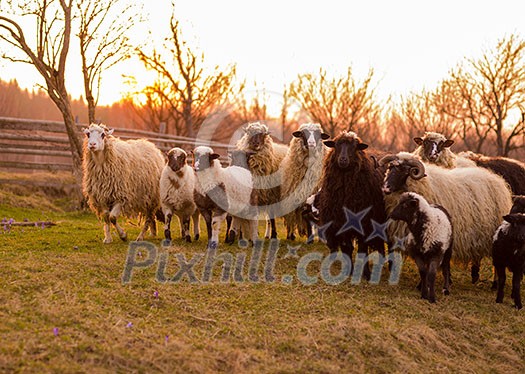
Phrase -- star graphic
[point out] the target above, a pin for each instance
(292, 251)
(379, 231)
(321, 230)
(353, 220)
(399, 243)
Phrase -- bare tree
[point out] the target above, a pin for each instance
(103, 35)
(48, 54)
(192, 94)
(487, 97)
(337, 103)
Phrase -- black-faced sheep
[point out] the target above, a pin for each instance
(429, 242)
(219, 191)
(264, 162)
(351, 186)
(177, 183)
(301, 169)
(508, 251)
(121, 177)
(475, 198)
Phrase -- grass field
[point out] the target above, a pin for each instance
(63, 308)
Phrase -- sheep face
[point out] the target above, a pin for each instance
(407, 208)
(347, 150)
(432, 147)
(311, 139)
(398, 171)
(95, 137)
(256, 141)
(518, 204)
(176, 159)
(203, 158)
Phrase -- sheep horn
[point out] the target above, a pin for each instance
(387, 159)
(417, 170)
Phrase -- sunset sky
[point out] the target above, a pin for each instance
(410, 44)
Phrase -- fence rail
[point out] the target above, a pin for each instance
(27, 144)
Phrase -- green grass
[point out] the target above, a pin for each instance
(64, 278)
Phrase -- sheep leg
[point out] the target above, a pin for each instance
(147, 225)
(516, 280)
(267, 231)
(474, 270)
(494, 285)
(196, 227)
(113, 215)
(167, 223)
(231, 229)
(500, 270)
(216, 221)
(290, 227)
(107, 228)
(185, 224)
(445, 269)
(431, 280)
(423, 276)
(274, 228)
(229, 220)
(207, 219)
(152, 225)
(309, 233)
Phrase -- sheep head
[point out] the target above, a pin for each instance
(203, 158)
(433, 144)
(518, 204)
(257, 134)
(176, 158)
(406, 209)
(400, 167)
(95, 137)
(347, 150)
(311, 135)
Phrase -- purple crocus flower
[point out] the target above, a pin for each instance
(55, 331)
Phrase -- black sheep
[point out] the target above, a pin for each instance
(508, 251)
(351, 185)
(429, 242)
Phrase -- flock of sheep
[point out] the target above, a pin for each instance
(443, 206)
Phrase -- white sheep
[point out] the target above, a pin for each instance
(434, 148)
(177, 183)
(429, 242)
(264, 162)
(121, 177)
(475, 197)
(219, 191)
(302, 168)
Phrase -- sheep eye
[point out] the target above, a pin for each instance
(87, 134)
(102, 135)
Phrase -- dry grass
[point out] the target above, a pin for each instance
(65, 278)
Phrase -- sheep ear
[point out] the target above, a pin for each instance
(214, 156)
(109, 131)
(297, 133)
(418, 140)
(85, 131)
(362, 146)
(448, 143)
(329, 143)
(515, 218)
(325, 136)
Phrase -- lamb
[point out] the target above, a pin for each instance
(429, 241)
(219, 191)
(264, 162)
(302, 168)
(351, 186)
(177, 183)
(121, 177)
(475, 198)
(513, 171)
(508, 250)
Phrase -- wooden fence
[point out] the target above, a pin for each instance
(31, 145)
